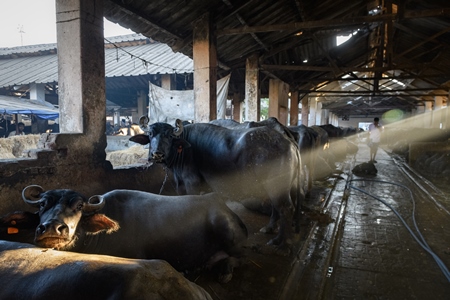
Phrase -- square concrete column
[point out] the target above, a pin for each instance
(278, 100)
(37, 92)
(438, 112)
(326, 116)
(168, 82)
(81, 79)
(293, 112)
(141, 105)
(312, 111)
(81, 66)
(205, 70)
(319, 113)
(446, 114)
(237, 111)
(428, 115)
(251, 100)
(305, 110)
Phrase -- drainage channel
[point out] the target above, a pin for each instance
(313, 264)
(428, 189)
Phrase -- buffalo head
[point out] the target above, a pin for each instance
(165, 140)
(64, 214)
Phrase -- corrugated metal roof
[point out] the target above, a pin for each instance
(120, 61)
(411, 36)
(26, 49)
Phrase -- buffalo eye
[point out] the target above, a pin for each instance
(80, 206)
(42, 204)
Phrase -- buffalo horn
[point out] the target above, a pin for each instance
(31, 194)
(178, 128)
(143, 122)
(95, 203)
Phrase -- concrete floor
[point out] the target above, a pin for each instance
(370, 253)
(366, 253)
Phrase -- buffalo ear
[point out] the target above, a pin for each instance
(21, 220)
(142, 139)
(97, 223)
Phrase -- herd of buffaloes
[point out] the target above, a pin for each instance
(142, 237)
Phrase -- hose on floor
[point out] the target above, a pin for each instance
(419, 239)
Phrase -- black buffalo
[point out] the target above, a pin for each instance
(309, 145)
(28, 272)
(271, 122)
(256, 163)
(304, 137)
(323, 138)
(333, 131)
(189, 231)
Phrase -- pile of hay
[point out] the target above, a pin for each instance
(13, 147)
(133, 155)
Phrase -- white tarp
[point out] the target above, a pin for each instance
(168, 105)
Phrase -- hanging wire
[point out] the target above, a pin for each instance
(145, 62)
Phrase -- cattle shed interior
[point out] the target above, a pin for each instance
(367, 230)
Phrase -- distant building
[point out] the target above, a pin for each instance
(131, 62)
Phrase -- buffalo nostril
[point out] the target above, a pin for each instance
(40, 229)
(157, 155)
(48, 228)
(60, 228)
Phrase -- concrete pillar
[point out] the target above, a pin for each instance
(81, 80)
(326, 116)
(237, 111)
(168, 81)
(446, 115)
(446, 118)
(81, 67)
(293, 112)
(313, 110)
(331, 118)
(437, 111)
(116, 117)
(37, 92)
(427, 116)
(205, 70)
(251, 100)
(141, 105)
(305, 110)
(319, 114)
(278, 100)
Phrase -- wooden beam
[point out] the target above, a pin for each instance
(380, 91)
(400, 77)
(333, 23)
(434, 36)
(344, 69)
(144, 18)
(417, 34)
(371, 95)
(243, 22)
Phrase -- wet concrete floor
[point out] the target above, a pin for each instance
(365, 253)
